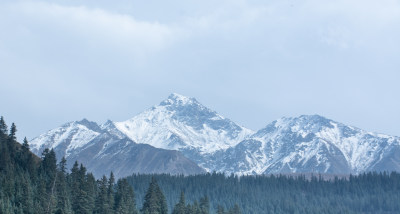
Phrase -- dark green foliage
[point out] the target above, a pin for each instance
(154, 201)
(180, 207)
(220, 210)
(3, 127)
(234, 210)
(110, 191)
(29, 184)
(365, 193)
(102, 203)
(204, 205)
(125, 198)
(13, 130)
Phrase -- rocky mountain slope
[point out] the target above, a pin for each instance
(103, 149)
(187, 133)
(182, 123)
(312, 143)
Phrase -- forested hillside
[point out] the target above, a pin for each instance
(365, 193)
(29, 184)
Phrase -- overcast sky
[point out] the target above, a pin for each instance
(251, 61)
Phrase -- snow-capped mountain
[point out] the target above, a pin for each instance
(202, 137)
(103, 149)
(70, 137)
(182, 123)
(312, 144)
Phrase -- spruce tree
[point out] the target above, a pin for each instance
(220, 209)
(204, 205)
(110, 190)
(154, 201)
(63, 196)
(125, 198)
(3, 127)
(91, 189)
(13, 131)
(180, 207)
(25, 145)
(102, 203)
(235, 210)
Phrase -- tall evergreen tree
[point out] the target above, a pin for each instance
(235, 210)
(125, 198)
(3, 127)
(154, 202)
(13, 130)
(220, 209)
(204, 205)
(25, 145)
(180, 207)
(91, 189)
(110, 190)
(63, 196)
(102, 203)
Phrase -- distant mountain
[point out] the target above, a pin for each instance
(187, 133)
(104, 149)
(182, 123)
(312, 144)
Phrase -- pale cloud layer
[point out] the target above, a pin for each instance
(252, 61)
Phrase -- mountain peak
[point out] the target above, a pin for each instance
(178, 99)
(313, 117)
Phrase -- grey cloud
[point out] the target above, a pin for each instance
(252, 61)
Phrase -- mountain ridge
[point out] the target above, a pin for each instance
(102, 148)
(304, 144)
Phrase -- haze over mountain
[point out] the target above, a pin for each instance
(180, 132)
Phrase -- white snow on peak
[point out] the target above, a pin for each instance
(178, 99)
(73, 134)
(295, 141)
(287, 144)
(169, 126)
(360, 148)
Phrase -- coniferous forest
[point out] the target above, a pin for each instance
(31, 184)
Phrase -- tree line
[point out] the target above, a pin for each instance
(31, 184)
(370, 192)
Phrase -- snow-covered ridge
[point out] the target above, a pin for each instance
(74, 134)
(312, 143)
(308, 143)
(180, 123)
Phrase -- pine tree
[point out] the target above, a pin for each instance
(63, 197)
(13, 131)
(195, 208)
(91, 189)
(24, 197)
(180, 207)
(25, 145)
(62, 166)
(204, 205)
(79, 186)
(220, 209)
(3, 127)
(110, 190)
(48, 172)
(154, 202)
(235, 210)
(102, 203)
(124, 198)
